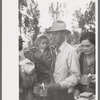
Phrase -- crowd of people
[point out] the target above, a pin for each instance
(57, 67)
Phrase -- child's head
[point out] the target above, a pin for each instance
(43, 42)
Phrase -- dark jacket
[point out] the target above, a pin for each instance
(44, 63)
(84, 88)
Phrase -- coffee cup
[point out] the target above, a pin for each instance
(39, 90)
(85, 79)
(43, 92)
(36, 89)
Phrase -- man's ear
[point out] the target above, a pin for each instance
(64, 34)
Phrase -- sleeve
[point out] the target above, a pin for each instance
(29, 54)
(74, 71)
(27, 80)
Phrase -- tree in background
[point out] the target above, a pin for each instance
(76, 37)
(29, 18)
(57, 10)
(86, 20)
(69, 38)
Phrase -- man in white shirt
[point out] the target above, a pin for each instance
(67, 69)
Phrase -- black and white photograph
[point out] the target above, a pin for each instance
(56, 46)
(57, 50)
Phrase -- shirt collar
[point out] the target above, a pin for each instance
(61, 48)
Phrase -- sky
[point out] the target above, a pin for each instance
(71, 5)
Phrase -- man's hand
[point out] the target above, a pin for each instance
(53, 86)
(93, 78)
(76, 94)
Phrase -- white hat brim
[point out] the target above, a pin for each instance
(67, 31)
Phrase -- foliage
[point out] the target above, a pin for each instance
(86, 20)
(69, 38)
(56, 11)
(22, 3)
(29, 17)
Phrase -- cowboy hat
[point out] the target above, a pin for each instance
(59, 26)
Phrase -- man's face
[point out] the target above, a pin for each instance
(88, 47)
(57, 38)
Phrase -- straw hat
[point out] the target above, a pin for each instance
(59, 26)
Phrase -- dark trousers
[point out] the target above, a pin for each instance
(61, 95)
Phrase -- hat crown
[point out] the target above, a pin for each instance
(58, 25)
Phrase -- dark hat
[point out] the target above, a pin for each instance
(59, 26)
(20, 39)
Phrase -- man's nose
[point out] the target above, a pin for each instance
(85, 48)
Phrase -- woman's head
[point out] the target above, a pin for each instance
(87, 41)
(43, 42)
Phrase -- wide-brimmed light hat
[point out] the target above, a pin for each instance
(59, 26)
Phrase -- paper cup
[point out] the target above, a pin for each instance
(36, 89)
(43, 92)
(85, 79)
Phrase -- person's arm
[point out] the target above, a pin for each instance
(74, 71)
(93, 78)
(74, 74)
(27, 80)
(76, 94)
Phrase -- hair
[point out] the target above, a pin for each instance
(40, 38)
(88, 35)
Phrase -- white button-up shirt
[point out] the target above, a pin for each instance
(67, 69)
